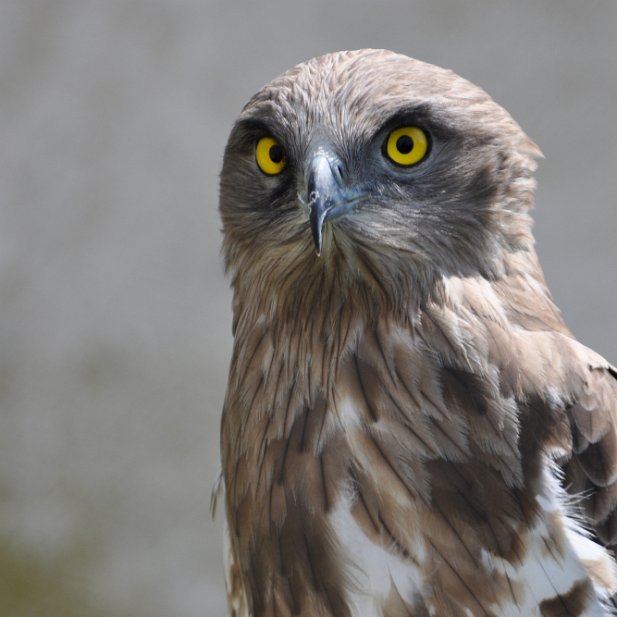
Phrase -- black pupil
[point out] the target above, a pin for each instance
(404, 144)
(276, 153)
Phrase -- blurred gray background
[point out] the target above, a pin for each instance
(114, 312)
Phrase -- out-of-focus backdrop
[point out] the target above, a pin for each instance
(114, 312)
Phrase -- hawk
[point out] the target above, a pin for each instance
(409, 429)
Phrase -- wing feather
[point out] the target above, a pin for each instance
(592, 469)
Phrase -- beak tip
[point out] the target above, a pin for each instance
(318, 245)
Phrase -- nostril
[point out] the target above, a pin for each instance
(339, 172)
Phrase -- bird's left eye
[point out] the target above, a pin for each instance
(406, 145)
(270, 156)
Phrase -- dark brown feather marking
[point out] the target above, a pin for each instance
(569, 604)
(466, 391)
(363, 372)
(458, 576)
(599, 460)
(393, 539)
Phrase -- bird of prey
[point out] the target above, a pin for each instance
(410, 429)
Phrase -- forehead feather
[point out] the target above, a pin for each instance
(369, 86)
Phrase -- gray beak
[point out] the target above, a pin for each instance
(326, 198)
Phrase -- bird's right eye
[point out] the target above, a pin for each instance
(270, 156)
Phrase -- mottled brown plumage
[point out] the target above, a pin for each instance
(409, 429)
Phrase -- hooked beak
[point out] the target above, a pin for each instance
(326, 198)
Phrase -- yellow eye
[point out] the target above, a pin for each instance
(270, 156)
(407, 145)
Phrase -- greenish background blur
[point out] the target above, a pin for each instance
(114, 312)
